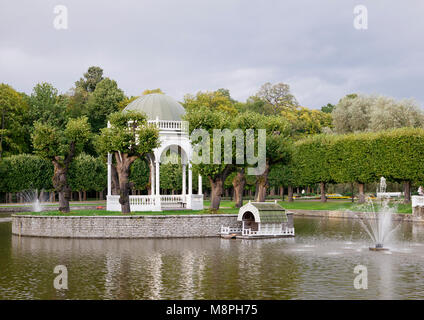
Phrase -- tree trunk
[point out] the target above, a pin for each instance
(407, 192)
(239, 183)
(216, 192)
(60, 183)
(282, 192)
(353, 196)
(85, 195)
(114, 180)
(290, 193)
(123, 164)
(361, 198)
(322, 191)
(80, 195)
(101, 195)
(217, 187)
(262, 185)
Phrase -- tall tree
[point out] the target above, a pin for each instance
(47, 106)
(90, 80)
(60, 145)
(13, 116)
(356, 113)
(103, 101)
(215, 100)
(278, 96)
(128, 138)
(207, 119)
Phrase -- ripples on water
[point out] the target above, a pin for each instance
(317, 264)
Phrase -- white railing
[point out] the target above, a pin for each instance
(147, 203)
(142, 200)
(170, 125)
(389, 194)
(228, 230)
(269, 232)
(417, 201)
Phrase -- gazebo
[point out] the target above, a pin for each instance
(164, 112)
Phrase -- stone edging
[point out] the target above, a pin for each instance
(142, 226)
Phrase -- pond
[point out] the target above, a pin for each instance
(317, 264)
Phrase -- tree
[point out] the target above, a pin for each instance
(149, 91)
(356, 113)
(87, 173)
(278, 96)
(313, 162)
(104, 100)
(139, 174)
(25, 172)
(208, 119)
(60, 145)
(216, 100)
(90, 80)
(13, 116)
(277, 149)
(328, 108)
(47, 106)
(129, 137)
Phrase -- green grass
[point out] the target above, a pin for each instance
(228, 207)
(117, 213)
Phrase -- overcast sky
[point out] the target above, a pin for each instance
(184, 46)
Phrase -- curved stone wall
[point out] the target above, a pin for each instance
(169, 226)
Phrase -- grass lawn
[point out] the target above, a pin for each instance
(227, 206)
(117, 213)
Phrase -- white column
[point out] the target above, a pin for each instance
(109, 174)
(157, 178)
(152, 178)
(190, 180)
(184, 180)
(199, 183)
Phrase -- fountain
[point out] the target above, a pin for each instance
(378, 223)
(31, 196)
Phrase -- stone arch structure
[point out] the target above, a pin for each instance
(165, 113)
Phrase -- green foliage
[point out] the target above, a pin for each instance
(208, 119)
(311, 157)
(356, 113)
(104, 100)
(47, 106)
(139, 174)
(87, 173)
(54, 143)
(219, 100)
(128, 133)
(25, 172)
(13, 116)
(90, 80)
(328, 108)
(396, 154)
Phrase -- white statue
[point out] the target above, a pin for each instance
(383, 185)
(420, 191)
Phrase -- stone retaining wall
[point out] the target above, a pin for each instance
(169, 226)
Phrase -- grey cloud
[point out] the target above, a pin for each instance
(189, 45)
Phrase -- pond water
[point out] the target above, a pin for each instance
(317, 264)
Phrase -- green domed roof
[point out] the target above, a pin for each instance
(157, 105)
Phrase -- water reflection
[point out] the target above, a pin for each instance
(317, 264)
